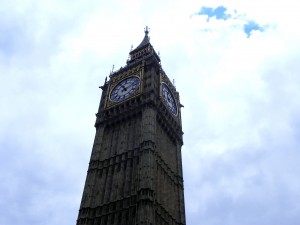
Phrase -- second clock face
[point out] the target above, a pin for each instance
(167, 95)
(125, 89)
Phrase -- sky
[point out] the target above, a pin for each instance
(234, 63)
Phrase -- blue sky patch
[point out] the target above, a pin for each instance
(9, 40)
(219, 13)
(13, 39)
(250, 26)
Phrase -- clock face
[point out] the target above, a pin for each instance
(167, 95)
(125, 89)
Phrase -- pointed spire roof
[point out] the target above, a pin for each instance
(145, 42)
(146, 39)
(144, 49)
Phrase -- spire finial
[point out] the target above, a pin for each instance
(146, 30)
(112, 70)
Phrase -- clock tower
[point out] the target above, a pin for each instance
(135, 171)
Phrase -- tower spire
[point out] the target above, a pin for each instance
(145, 41)
(146, 30)
(143, 49)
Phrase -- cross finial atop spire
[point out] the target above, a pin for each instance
(146, 30)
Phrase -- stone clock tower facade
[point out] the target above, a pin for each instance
(135, 171)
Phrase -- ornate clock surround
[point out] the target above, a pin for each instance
(137, 71)
(165, 80)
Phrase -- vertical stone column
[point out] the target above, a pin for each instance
(97, 143)
(146, 174)
(180, 188)
(107, 189)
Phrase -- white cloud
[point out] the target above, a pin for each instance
(240, 95)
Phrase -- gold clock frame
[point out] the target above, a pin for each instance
(115, 80)
(165, 80)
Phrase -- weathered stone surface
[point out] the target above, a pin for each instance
(135, 170)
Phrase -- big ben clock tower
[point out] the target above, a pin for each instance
(135, 171)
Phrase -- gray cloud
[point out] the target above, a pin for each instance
(240, 117)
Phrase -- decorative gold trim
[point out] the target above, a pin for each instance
(127, 73)
(164, 100)
(165, 79)
(140, 53)
(134, 72)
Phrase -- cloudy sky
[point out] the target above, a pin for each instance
(235, 64)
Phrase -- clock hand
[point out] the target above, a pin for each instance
(124, 88)
(168, 97)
